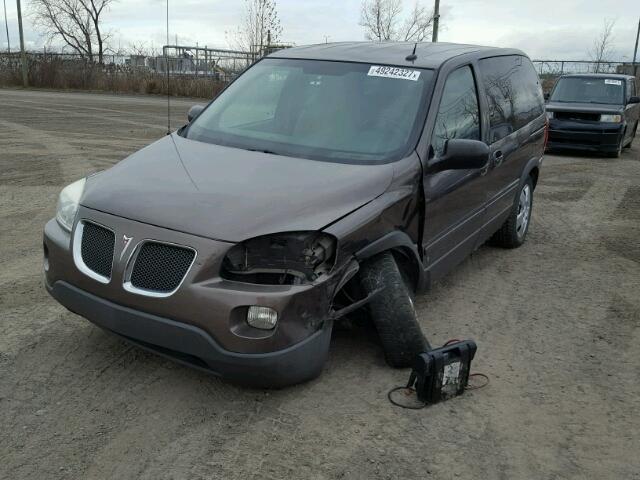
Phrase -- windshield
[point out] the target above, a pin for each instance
(333, 111)
(589, 90)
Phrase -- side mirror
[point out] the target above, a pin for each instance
(547, 95)
(194, 112)
(462, 154)
(634, 99)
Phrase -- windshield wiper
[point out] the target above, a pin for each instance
(261, 150)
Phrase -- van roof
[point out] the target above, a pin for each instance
(430, 55)
(618, 76)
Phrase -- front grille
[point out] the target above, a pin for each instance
(590, 117)
(97, 248)
(160, 267)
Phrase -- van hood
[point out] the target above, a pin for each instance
(231, 194)
(584, 107)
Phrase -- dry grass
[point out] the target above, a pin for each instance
(73, 74)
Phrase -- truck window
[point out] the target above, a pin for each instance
(514, 94)
(458, 115)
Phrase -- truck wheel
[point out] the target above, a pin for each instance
(514, 231)
(633, 135)
(392, 311)
(618, 151)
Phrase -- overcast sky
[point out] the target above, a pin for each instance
(545, 29)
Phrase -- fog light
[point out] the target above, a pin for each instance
(264, 318)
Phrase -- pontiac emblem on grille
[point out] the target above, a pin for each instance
(126, 241)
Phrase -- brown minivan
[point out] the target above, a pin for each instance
(323, 180)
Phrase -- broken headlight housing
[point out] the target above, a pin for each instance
(292, 258)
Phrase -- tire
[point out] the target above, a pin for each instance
(513, 232)
(392, 311)
(618, 152)
(633, 135)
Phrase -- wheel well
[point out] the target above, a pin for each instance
(408, 266)
(534, 173)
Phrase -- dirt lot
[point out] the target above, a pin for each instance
(556, 323)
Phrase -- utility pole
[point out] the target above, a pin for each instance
(6, 25)
(635, 52)
(436, 21)
(25, 80)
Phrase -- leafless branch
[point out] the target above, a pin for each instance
(382, 20)
(260, 28)
(602, 49)
(76, 22)
(419, 24)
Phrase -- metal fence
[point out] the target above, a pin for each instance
(197, 69)
(181, 70)
(219, 64)
(561, 67)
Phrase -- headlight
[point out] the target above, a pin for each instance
(549, 115)
(68, 204)
(611, 118)
(291, 258)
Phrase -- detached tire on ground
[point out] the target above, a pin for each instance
(392, 311)
(513, 232)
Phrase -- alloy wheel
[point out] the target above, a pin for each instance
(524, 211)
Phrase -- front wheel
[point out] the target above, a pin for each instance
(514, 230)
(618, 151)
(392, 311)
(633, 135)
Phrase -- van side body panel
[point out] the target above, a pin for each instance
(456, 221)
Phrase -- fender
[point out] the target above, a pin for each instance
(398, 241)
(532, 164)
(370, 230)
(389, 241)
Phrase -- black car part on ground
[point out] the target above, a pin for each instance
(440, 374)
(443, 373)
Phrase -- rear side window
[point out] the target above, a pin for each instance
(513, 92)
(458, 115)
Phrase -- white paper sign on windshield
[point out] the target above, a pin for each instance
(394, 72)
(609, 81)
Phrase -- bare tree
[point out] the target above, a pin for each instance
(260, 28)
(602, 49)
(76, 22)
(380, 19)
(383, 20)
(419, 24)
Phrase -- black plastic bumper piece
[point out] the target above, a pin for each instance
(193, 346)
(568, 135)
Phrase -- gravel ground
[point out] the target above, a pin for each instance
(556, 322)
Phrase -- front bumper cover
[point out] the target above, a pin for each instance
(204, 322)
(582, 135)
(193, 346)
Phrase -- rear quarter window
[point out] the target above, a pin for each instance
(514, 94)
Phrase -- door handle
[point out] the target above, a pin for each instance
(498, 158)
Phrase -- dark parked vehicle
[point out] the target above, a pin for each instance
(323, 180)
(597, 112)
